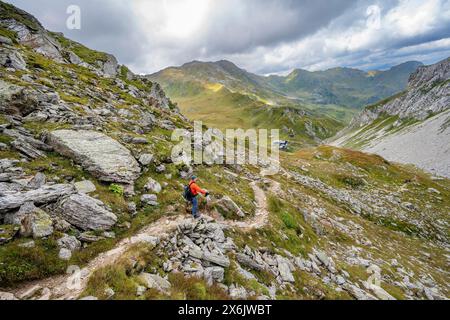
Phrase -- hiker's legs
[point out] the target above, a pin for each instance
(195, 206)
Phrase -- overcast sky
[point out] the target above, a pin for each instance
(262, 36)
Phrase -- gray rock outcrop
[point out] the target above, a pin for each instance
(86, 213)
(102, 156)
(44, 195)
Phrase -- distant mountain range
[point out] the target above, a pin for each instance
(311, 106)
(339, 86)
(344, 86)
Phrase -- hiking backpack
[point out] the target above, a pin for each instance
(187, 194)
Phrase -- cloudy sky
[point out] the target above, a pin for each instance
(262, 36)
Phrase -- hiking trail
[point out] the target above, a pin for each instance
(70, 286)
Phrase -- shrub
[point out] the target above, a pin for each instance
(114, 188)
(354, 182)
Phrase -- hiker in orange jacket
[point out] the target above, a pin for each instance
(195, 191)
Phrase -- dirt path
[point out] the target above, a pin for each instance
(70, 286)
(262, 212)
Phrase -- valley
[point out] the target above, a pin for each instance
(308, 106)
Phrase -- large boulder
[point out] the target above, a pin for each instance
(86, 213)
(110, 66)
(33, 221)
(102, 156)
(44, 195)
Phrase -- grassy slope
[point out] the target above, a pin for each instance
(226, 110)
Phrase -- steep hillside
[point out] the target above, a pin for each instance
(86, 179)
(411, 127)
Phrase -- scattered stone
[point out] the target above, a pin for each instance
(358, 293)
(227, 207)
(322, 257)
(65, 254)
(109, 293)
(30, 292)
(161, 168)
(150, 200)
(89, 237)
(153, 281)
(409, 206)
(139, 140)
(249, 262)
(61, 225)
(5, 40)
(28, 244)
(146, 159)
(238, 293)
(140, 290)
(109, 235)
(379, 292)
(45, 295)
(153, 186)
(132, 209)
(85, 186)
(69, 242)
(222, 261)
(284, 269)
(89, 298)
(340, 280)
(214, 274)
(433, 190)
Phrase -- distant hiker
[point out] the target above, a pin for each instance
(191, 193)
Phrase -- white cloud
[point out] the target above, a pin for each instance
(263, 36)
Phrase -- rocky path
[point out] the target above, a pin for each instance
(70, 286)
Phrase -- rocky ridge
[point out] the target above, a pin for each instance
(411, 127)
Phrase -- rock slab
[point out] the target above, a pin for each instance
(102, 156)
